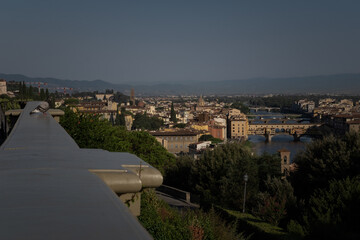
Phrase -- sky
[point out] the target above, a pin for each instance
(151, 41)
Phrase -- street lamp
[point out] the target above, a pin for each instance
(246, 177)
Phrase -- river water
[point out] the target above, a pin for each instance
(277, 142)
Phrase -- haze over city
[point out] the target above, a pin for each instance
(172, 41)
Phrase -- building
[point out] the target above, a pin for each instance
(106, 109)
(304, 105)
(176, 141)
(3, 89)
(217, 128)
(103, 96)
(238, 126)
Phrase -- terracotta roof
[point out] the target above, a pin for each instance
(177, 133)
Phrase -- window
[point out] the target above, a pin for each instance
(285, 159)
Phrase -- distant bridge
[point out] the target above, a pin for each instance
(275, 115)
(282, 120)
(271, 129)
(268, 109)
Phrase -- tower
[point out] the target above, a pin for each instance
(132, 97)
(285, 161)
(201, 101)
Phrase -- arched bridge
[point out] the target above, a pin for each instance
(276, 120)
(268, 109)
(271, 129)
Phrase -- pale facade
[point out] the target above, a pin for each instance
(176, 142)
(3, 89)
(239, 125)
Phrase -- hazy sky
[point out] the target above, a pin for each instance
(167, 41)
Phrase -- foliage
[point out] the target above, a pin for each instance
(173, 114)
(210, 138)
(142, 121)
(71, 101)
(252, 225)
(296, 231)
(120, 118)
(330, 158)
(89, 131)
(275, 200)
(218, 175)
(120, 98)
(334, 212)
(178, 175)
(163, 222)
(180, 125)
(269, 165)
(241, 107)
(7, 104)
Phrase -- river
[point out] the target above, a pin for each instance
(277, 142)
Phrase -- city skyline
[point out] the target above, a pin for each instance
(162, 41)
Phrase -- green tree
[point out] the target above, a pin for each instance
(89, 131)
(142, 121)
(218, 175)
(173, 114)
(269, 165)
(42, 94)
(274, 202)
(241, 107)
(334, 211)
(120, 118)
(322, 160)
(180, 125)
(164, 222)
(47, 94)
(206, 137)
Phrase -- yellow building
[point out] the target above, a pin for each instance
(200, 127)
(238, 127)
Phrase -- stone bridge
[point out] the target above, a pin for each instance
(271, 129)
(282, 120)
(268, 109)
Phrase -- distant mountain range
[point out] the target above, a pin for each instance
(323, 84)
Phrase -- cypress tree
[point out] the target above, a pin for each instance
(173, 114)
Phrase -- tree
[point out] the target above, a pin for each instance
(89, 131)
(47, 95)
(322, 160)
(173, 114)
(142, 121)
(268, 166)
(241, 107)
(120, 118)
(275, 200)
(334, 212)
(210, 138)
(218, 175)
(180, 125)
(42, 94)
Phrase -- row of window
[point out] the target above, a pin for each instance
(177, 146)
(178, 138)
